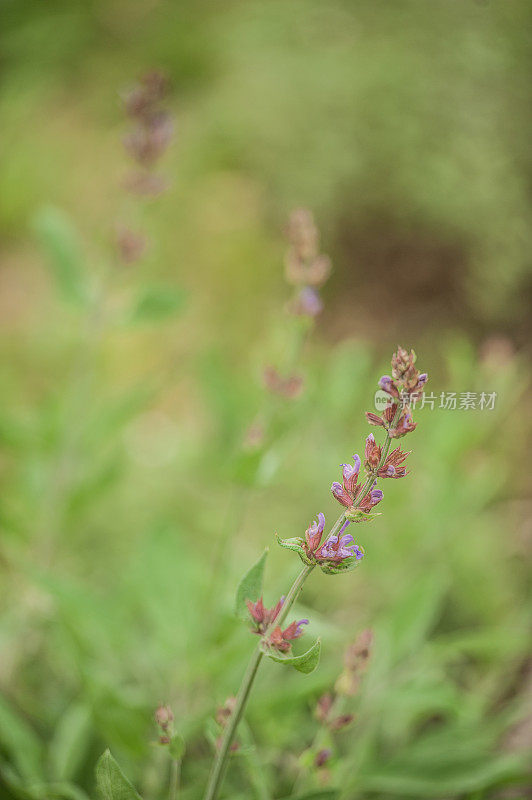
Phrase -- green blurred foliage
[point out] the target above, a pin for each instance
(130, 509)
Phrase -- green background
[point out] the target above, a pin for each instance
(128, 510)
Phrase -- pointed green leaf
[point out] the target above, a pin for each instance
(111, 782)
(176, 748)
(157, 303)
(357, 515)
(295, 543)
(250, 587)
(20, 742)
(70, 742)
(65, 254)
(348, 565)
(307, 662)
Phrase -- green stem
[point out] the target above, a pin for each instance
(175, 770)
(220, 763)
(291, 597)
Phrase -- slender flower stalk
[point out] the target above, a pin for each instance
(338, 553)
(220, 763)
(306, 270)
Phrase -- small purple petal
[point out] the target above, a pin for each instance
(376, 496)
(308, 302)
(341, 495)
(344, 526)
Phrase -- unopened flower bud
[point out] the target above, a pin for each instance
(131, 245)
(290, 387)
(340, 722)
(224, 712)
(163, 716)
(322, 756)
(307, 303)
(323, 707)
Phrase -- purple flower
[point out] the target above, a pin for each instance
(314, 533)
(282, 640)
(404, 426)
(338, 547)
(388, 386)
(350, 474)
(307, 303)
(341, 495)
(373, 497)
(299, 628)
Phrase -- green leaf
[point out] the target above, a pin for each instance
(348, 565)
(111, 782)
(65, 255)
(250, 587)
(295, 543)
(70, 742)
(16, 785)
(306, 663)
(177, 747)
(156, 303)
(357, 515)
(19, 741)
(448, 781)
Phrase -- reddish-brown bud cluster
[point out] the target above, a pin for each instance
(392, 466)
(304, 264)
(131, 246)
(152, 131)
(223, 713)
(290, 387)
(322, 757)
(143, 99)
(263, 617)
(326, 715)
(405, 387)
(282, 640)
(164, 719)
(404, 371)
(356, 661)
(254, 436)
